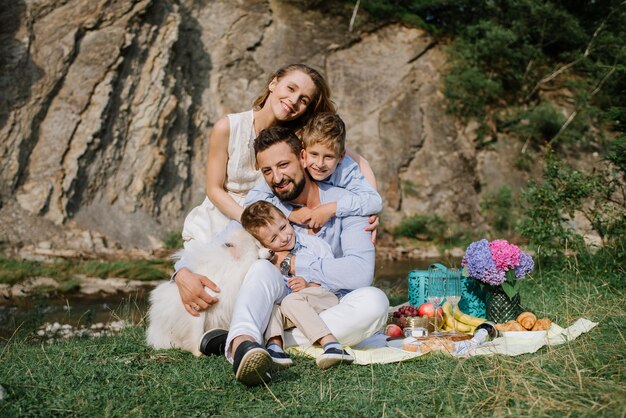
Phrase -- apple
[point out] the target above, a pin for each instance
(392, 330)
(428, 309)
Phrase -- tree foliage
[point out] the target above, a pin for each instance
(552, 204)
(504, 55)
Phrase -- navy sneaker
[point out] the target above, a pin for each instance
(333, 357)
(280, 360)
(213, 342)
(252, 364)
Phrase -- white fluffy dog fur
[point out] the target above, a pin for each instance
(169, 324)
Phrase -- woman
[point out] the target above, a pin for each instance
(292, 96)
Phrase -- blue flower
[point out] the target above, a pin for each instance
(480, 264)
(525, 266)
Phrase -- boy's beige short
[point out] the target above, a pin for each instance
(301, 309)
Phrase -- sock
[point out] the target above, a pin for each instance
(334, 345)
(275, 347)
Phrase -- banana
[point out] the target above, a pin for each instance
(449, 318)
(467, 319)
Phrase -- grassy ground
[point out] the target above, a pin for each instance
(15, 271)
(121, 376)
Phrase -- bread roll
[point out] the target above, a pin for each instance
(542, 324)
(512, 325)
(527, 320)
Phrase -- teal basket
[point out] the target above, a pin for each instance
(473, 298)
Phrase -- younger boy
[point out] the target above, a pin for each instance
(307, 298)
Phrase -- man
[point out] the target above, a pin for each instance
(360, 312)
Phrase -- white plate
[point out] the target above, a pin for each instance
(525, 336)
(397, 343)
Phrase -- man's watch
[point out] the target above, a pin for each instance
(285, 265)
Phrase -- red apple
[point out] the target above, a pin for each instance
(428, 309)
(392, 330)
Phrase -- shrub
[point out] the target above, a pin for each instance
(422, 227)
(469, 91)
(173, 240)
(600, 197)
(410, 188)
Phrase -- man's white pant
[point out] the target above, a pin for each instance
(358, 315)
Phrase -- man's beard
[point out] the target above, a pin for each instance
(293, 193)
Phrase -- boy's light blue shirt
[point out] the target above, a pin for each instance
(313, 248)
(353, 265)
(362, 200)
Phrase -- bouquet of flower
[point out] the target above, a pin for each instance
(497, 263)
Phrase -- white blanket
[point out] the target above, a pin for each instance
(375, 349)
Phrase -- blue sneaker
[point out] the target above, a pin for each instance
(333, 357)
(281, 360)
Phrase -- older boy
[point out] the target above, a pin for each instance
(307, 298)
(324, 141)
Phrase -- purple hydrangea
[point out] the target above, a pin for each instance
(489, 262)
(525, 266)
(480, 264)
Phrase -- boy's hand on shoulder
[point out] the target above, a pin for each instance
(297, 283)
(322, 214)
(301, 216)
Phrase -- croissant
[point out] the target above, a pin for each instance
(510, 326)
(527, 319)
(542, 324)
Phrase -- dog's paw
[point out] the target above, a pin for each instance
(266, 254)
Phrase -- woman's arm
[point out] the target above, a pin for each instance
(216, 171)
(368, 173)
(365, 167)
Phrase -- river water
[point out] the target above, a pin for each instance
(28, 314)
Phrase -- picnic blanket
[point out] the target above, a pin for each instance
(375, 349)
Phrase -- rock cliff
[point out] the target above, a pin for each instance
(107, 105)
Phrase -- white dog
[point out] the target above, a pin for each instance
(169, 324)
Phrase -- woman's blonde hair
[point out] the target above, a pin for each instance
(320, 103)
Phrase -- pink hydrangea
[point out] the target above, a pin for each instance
(505, 255)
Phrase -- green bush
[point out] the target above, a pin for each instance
(422, 227)
(469, 91)
(539, 124)
(549, 204)
(410, 188)
(173, 240)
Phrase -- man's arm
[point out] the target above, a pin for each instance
(354, 269)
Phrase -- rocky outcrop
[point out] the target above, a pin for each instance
(108, 106)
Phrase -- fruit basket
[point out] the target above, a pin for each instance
(413, 321)
(407, 316)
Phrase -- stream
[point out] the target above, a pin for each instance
(27, 315)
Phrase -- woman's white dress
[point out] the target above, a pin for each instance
(204, 221)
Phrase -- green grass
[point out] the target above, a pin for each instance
(65, 271)
(121, 376)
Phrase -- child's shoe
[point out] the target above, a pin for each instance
(280, 359)
(333, 357)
